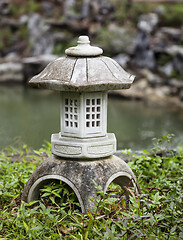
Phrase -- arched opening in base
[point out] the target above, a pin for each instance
(55, 188)
(121, 185)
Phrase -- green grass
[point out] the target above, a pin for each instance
(155, 214)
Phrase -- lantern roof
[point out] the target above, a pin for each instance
(83, 69)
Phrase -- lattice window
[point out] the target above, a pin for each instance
(71, 113)
(93, 112)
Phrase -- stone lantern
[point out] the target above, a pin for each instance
(82, 152)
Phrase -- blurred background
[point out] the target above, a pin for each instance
(144, 37)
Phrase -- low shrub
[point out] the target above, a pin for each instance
(156, 213)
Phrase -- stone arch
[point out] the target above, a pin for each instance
(34, 190)
(122, 179)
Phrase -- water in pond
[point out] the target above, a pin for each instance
(31, 116)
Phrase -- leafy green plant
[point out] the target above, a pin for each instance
(60, 195)
(172, 15)
(156, 213)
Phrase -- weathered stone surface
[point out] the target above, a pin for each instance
(174, 50)
(4, 7)
(174, 33)
(84, 49)
(167, 69)
(148, 22)
(83, 70)
(122, 59)
(33, 65)
(161, 96)
(41, 59)
(95, 147)
(11, 71)
(135, 92)
(101, 73)
(176, 83)
(81, 177)
(143, 54)
(40, 35)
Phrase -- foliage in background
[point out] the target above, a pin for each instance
(155, 214)
(170, 14)
(13, 31)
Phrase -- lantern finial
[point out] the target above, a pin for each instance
(83, 40)
(84, 49)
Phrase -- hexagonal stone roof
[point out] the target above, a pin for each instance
(83, 69)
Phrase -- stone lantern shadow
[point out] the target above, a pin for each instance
(82, 152)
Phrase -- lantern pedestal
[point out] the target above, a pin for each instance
(82, 176)
(83, 148)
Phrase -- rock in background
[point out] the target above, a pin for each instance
(145, 41)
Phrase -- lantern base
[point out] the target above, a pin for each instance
(83, 147)
(82, 176)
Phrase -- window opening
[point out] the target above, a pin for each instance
(71, 116)
(93, 115)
